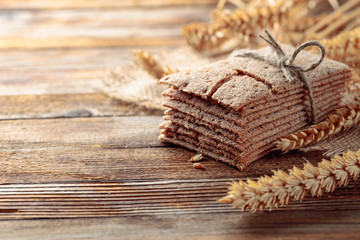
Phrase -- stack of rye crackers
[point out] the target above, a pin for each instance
(234, 110)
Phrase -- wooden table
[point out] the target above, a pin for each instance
(78, 165)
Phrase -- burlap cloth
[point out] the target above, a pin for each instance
(132, 85)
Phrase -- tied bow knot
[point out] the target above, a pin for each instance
(291, 71)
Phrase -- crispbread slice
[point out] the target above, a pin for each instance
(218, 119)
(242, 158)
(254, 112)
(258, 78)
(234, 95)
(235, 109)
(210, 146)
(173, 114)
(242, 132)
(192, 145)
(267, 136)
(209, 118)
(274, 77)
(201, 128)
(201, 82)
(228, 114)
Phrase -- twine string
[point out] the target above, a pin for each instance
(291, 71)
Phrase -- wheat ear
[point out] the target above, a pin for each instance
(151, 65)
(342, 120)
(242, 24)
(281, 188)
(345, 15)
(344, 47)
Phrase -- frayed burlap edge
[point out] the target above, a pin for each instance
(131, 84)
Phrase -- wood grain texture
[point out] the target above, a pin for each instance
(109, 148)
(75, 4)
(232, 225)
(66, 106)
(54, 59)
(75, 164)
(142, 198)
(56, 71)
(59, 83)
(113, 27)
(52, 82)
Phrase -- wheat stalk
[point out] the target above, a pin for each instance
(151, 65)
(242, 24)
(342, 120)
(344, 47)
(204, 36)
(296, 33)
(330, 25)
(271, 192)
(283, 16)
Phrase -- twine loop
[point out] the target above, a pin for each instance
(291, 71)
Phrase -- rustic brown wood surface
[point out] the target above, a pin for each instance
(78, 165)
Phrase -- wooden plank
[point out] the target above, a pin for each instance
(144, 198)
(80, 42)
(125, 131)
(109, 148)
(275, 225)
(66, 106)
(65, 4)
(68, 59)
(38, 82)
(131, 173)
(59, 71)
(112, 27)
(43, 162)
(65, 71)
(59, 83)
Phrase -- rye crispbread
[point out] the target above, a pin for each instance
(235, 109)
